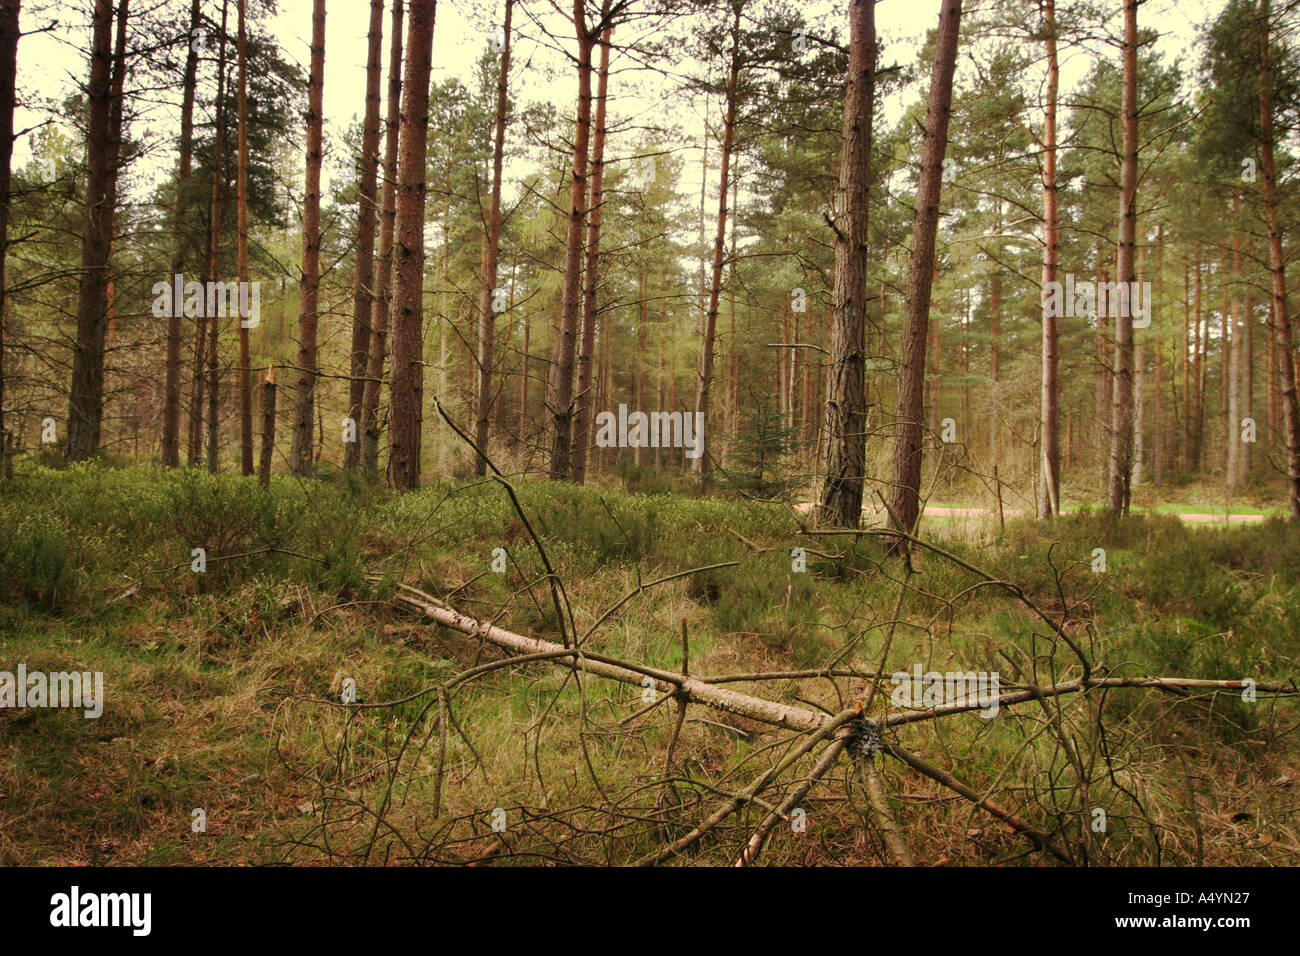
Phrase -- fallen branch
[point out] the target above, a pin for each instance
(820, 726)
(689, 689)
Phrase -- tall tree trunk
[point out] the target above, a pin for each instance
(905, 506)
(1247, 407)
(1225, 343)
(1121, 441)
(194, 433)
(932, 375)
(1157, 399)
(846, 400)
(363, 296)
(1185, 434)
(383, 277)
(638, 384)
(523, 379)
(1281, 316)
(268, 429)
(86, 399)
(659, 387)
(172, 386)
(733, 361)
(1197, 419)
(1049, 401)
(559, 386)
(9, 33)
(1274, 411)
(591, 274)
(703, 389)
(1157, 421)
(444, 307)
(491, 248)
(1232, 379)
(1139, 384)
(117, 102)
(407, 406)
(241, 256)
(300, 455)
(1105, 376)
(214, 245)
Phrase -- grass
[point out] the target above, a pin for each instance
(223, 687)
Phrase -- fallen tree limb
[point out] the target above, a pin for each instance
(939, 775)
(881, 810)
(820, 726)
(691, 690)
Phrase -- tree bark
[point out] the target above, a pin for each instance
(1157, 398)
(1105, 377)
(906, 501)
(559, 386)
(241, 255)
(1232, 379)
(1247, 382)
(214, 244)
(591, 274)
(300, 455)
(704, 463)
(383, 276)
(1050, 425)
(268, 429)
(363, 295)
(172, 386)
(491, 249)
(1121, 439)
(846, 400)
(1277, 267)
(86, 398)
(407, 406)
(660, 381)
(9, 33)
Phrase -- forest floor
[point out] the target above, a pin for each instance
(223, 687)
(951, 511)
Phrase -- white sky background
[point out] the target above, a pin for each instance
(51, 63)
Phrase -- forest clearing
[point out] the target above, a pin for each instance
(649, 432)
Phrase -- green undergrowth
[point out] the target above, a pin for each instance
(222, 687)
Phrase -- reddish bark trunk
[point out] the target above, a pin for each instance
(241, 255)
(214, 245)
(300, 455)
(172, 385)
(1050, 424)
(704, 463)
(591, 274)
(363, 297)
(488, 263)
(1277, 267)
(383, 276)
(906, 491)
(559, 386)
(1121, 445)
(407, 407)
(86, 398)
(846, 404)
(9, 33)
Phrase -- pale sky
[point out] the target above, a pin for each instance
(51, 62)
